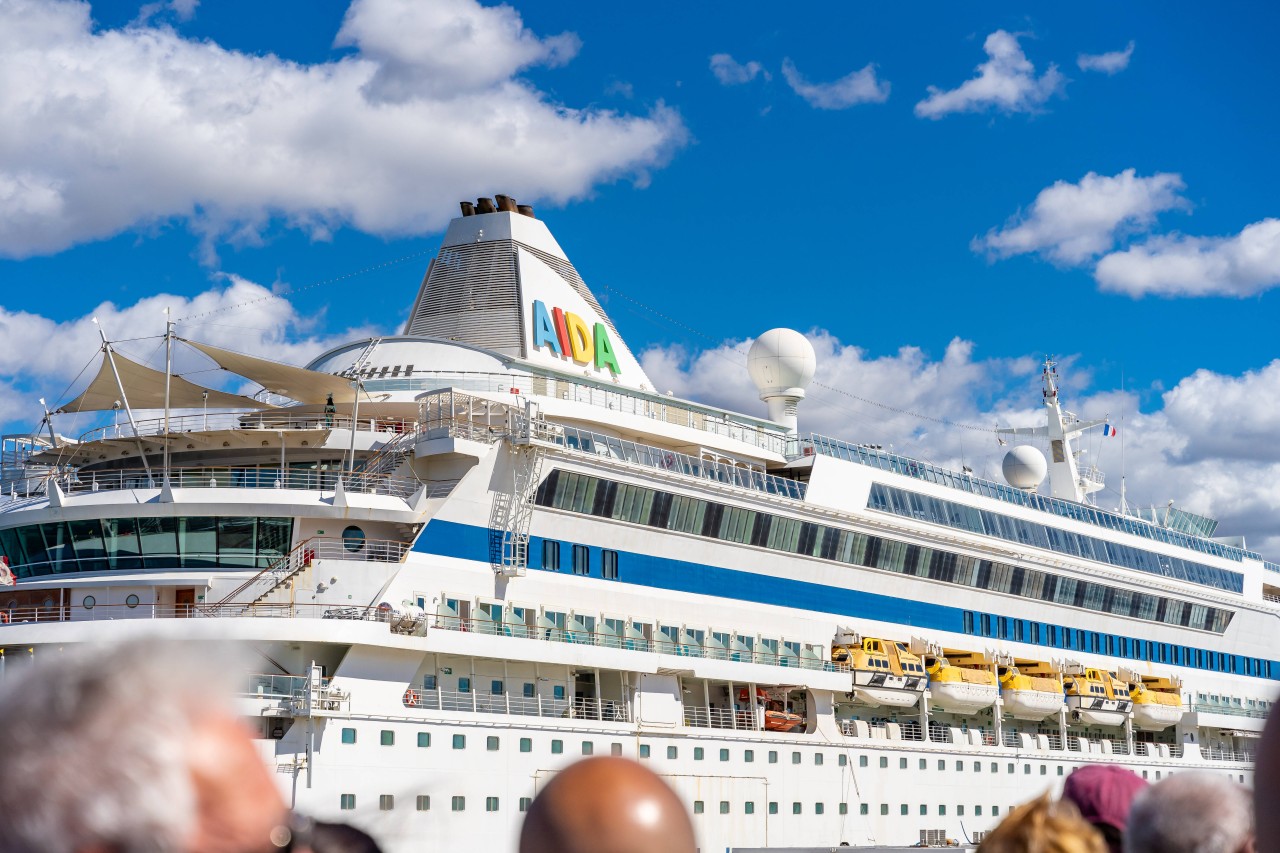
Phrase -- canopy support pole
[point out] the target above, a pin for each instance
(355, 419)
(168, 374)
(124, 398)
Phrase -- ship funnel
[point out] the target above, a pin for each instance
(506, 203)
(782, 363)
(468, 209)
(526, 210)
(485, 205)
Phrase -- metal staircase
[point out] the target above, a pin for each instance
(513, 509)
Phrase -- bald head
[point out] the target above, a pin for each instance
(607, 805)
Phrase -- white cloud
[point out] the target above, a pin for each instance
(1206, 443)
(1177, 265)
(108, 130)
(856, 87)
(730, 72)
(1108, 63)
(31, 368)
(1074, 223)
(1007, 82)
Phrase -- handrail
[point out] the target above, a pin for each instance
(604, 639)
(315, 548)
(506, 702)
(256, 421)
(238, 477)
(118, 611)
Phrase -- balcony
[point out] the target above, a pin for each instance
(510, 704)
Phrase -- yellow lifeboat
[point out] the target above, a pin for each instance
(1096, 696)
(885, 672)
(1031, 690)
(959, 682)
(1157, 701)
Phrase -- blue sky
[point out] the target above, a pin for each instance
(736, 201)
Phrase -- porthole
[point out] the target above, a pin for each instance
(131, 601)
(353, 539)
(88, 601)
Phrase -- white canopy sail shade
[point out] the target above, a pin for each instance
(144, 387)
(296, 383)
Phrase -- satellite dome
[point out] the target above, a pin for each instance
(781, 363)
(1024, 467)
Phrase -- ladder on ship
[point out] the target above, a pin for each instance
(512, 514)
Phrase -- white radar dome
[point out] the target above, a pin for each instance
(781, 363)
(1024, 467)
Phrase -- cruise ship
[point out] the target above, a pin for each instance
(467, 555)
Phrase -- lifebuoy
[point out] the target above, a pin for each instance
(669, 460)
(411, 698)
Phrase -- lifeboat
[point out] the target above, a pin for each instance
(885, 673)
(1157, 702)
(776, 716)
(960, 682)
(1095, 696)
(1031, 691)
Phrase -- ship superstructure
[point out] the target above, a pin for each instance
(470, 554)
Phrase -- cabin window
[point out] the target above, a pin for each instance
(644, 749)
(697, 753)
(609, 565)
(386, 802)
(424, 802)
(672, 752)
(525, 802)
(724, 807)
(459, 741)
(550, 555)
(424, 739)
(797, 808)
(459, 804)
(698, 807)
(491, 743)
(388, 737)
(773, 808)
(347, 802)
(526, 744)
(750, 755)
(724, 755)
(491, 804)
(748, 807)
(348, 735)
(581, 560)
(557, 747)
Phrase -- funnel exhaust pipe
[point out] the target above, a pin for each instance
(485, 205)
(526, 210)
(506, 203)
(468, 209)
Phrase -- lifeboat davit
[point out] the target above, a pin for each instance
(1029, 696)
(885, 672)
(1096, 697)
(960, 689)
(1157, 702)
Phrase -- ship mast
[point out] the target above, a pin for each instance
(1062, 428)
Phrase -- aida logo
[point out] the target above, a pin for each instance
(569, 335)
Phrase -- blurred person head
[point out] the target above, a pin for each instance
(1043, 826)
(607, 805)
(1191, 812)
(1266, 789)
(132, 749)
(1104, 793)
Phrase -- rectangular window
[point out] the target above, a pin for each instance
(491, 804)
(819, 808)
(699, 807)
(644, 750)
(495, 688)
(749, 807)
(491, 743)
(672, 752)
(724, 807)
(773, 757)
(588, 747)
(424, 739)
(942, 811)
(609, 565)
(749, 756)
(884, 808)
(724, 755)
(844, 808)
(884, 761)
(386, 802)
(459, 804)
(842, 759)
(697, 753)
(348, 735)
(347, 802)
(464, 685)
(459, 741)
(550, 555)
(902, 763)
(817, 758)
(924, 810)
(862, 808)
(525, 802)
(904, 810)
(557, 747)
(424, 803)
(581, 560)
(526, 744)
(388, 737)
(773, 808)
(615, 749)
(796, 808)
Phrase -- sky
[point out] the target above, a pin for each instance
(938, 195)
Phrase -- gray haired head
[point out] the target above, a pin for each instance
(1191, 812)
(93, 744)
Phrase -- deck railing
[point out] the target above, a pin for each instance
(605, 639)
(474, 702)
(258, 421)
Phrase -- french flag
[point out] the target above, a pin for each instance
(1108, 430)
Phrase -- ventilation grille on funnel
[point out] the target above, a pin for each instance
(471, 296)
(569, 274)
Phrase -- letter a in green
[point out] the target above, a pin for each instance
(604, 350)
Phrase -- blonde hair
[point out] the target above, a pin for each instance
(1043, 825)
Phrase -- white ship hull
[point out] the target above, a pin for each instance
(553, 590)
